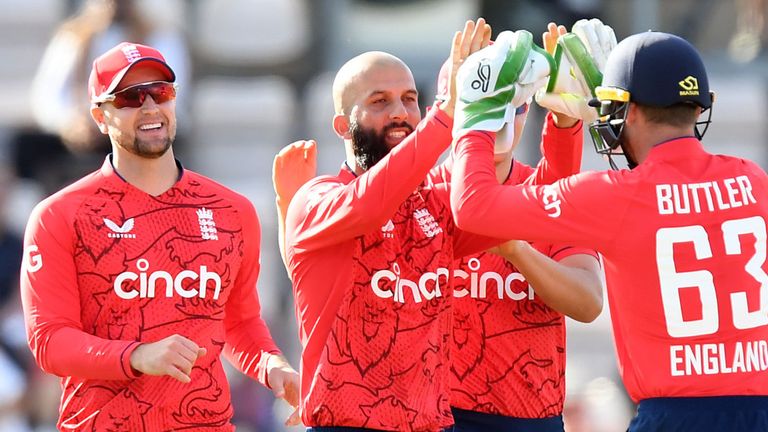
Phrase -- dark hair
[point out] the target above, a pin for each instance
(679, 114)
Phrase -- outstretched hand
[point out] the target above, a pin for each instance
(293, 166)
(474, 37)
(580, 57)
(549, 39)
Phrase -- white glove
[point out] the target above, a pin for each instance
(498, 78)
(534, 76)
(580, 58)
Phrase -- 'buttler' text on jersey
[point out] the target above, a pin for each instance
(683, 237)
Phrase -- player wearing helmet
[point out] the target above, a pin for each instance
(682, 233)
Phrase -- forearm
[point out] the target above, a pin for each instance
(249, 347)
(571, 286)
(68, 351)
(474, 187)
(561, 149)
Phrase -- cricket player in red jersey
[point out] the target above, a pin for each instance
(371, 280)
(682, 232)
(508, 351)
(369, 252)
(138, 276)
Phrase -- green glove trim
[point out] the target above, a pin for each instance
(579, 57)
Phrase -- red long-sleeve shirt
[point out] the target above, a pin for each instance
(508, 351)
(108, 266)
(371, 259)
(683, 238)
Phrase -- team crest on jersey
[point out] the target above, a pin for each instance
(207, 224)
(120, 231)
(427, 223)
(388, 230)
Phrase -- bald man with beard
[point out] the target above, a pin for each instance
(370, 252)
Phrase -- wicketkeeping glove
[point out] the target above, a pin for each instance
(498, 78)
(580, 58)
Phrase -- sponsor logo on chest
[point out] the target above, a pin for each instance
(187, 283)
(120, 231)
(387, 230)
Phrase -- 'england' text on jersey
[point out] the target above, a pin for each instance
(719, 358)
(708, 196)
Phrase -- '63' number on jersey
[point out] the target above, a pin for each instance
(672, 281)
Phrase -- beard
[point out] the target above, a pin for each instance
(370, 146)
(149, 149)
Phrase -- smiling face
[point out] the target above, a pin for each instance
(147, 131)
(376, 105)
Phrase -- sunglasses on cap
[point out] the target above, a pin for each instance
(134, 96)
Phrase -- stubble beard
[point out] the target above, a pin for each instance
(149, 149)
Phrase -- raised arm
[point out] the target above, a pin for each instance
(294, 165)
(332, 211)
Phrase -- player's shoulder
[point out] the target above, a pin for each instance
(320, 186)
(212, 187)
(605, 177)
(69, 197)
(745, 164)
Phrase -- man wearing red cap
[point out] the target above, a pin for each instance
(137, 277)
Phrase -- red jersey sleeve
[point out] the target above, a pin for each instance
(533, 213)
(327, 213)
(248, 340)
(561, 150)
(51, 301)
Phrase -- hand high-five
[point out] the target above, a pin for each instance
(293, 166)
(474, 37)
(580, 57)
(497, 79)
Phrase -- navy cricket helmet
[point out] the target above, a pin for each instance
(651, 68)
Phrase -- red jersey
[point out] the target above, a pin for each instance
(108, 266)
(371, 259)
(508, 352)
(683, 238)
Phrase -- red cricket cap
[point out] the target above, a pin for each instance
(110, 68)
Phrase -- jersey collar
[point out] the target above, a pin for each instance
(108, 169)
(676, 148)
